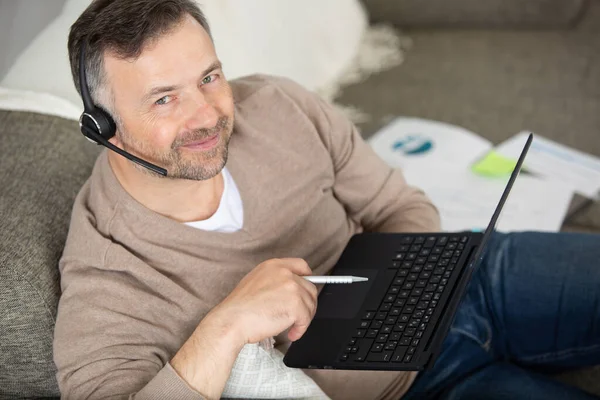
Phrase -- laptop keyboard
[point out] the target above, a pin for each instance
(391, 329)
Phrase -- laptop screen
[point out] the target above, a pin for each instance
(492, 225)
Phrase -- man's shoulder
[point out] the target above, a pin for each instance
(92, 210)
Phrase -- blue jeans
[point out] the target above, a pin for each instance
(532, 308)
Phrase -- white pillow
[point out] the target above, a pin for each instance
(309, 41)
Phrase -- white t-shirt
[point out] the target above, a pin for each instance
(258, 371)
(229, 217)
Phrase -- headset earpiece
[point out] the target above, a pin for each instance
(93, 117)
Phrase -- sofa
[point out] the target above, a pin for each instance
(44, 160)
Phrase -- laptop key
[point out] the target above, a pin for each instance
(352, 342)
(399, 327)
(390, 345)
(419, 240)
(384, 356)
(360, 333)
(386, 307)
(376, 324)
(404, 341)
(344, 357)
(408, 310)
(431, 287)
(407, 358)
(378, 291)
(399, 302)
(395, 312)
(391, 320)
(447, 254)
(430, 242)
(404, 248)
(407, 240)
(381, 315)
(387, 329)
(398, 355)
(395, 336)
(369, 315)
(364, 345)
(364, 324)
(372, 333)
(416, 269)
(377, 347)
(382, 338)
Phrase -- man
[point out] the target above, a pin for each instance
(165, 280)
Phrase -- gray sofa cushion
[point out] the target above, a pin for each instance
(477, 13)
(44, 160)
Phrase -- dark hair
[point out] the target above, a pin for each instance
(123, 27)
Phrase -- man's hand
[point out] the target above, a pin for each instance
(270, 299)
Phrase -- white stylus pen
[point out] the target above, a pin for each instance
(335, 279)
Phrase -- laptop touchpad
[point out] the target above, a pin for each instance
(344, 300)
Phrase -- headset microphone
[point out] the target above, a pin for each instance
(98, 126)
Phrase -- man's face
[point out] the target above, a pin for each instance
(174, 103)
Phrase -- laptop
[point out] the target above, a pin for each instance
(399, 318)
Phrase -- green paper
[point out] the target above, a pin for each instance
(494, 165)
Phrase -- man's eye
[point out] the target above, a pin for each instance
(162, 100)
(208, 79)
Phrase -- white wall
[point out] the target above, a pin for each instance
(20, 21)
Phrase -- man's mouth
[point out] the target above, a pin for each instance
(204, 144)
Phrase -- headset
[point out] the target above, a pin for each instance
(98, 126)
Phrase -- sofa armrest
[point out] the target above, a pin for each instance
(521, 14)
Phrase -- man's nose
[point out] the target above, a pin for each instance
(201, 113)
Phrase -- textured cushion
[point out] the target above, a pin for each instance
(476, 13)
(44, 160)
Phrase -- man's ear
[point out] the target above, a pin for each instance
(115, 140)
